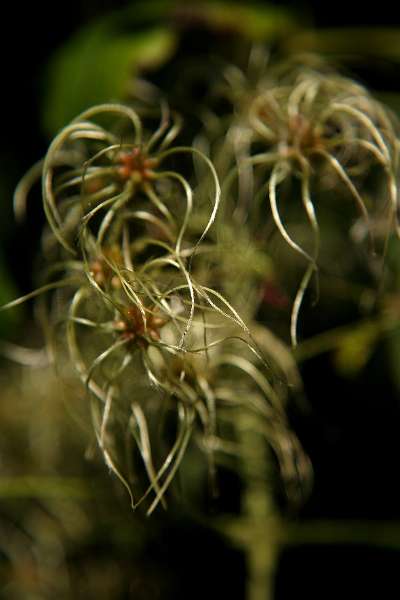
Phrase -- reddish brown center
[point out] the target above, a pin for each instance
(301, 133)
(133, 326)
(136, 165)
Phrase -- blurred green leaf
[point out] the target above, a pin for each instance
(352, 345)
(97, 66)
(43, 487)
(355, 349)
(374, 42)
(256, 21)
(99, 62)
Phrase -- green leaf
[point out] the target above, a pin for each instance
(258, 22)
(30, 486)
(97, 65)
(374, 42)
(355, 349)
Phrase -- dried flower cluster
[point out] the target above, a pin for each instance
(298, 131)
(155, 278)
(131, 260)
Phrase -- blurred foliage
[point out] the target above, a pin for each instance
(99, 63)
(257, 21)
(367, 42)
(65, 528)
